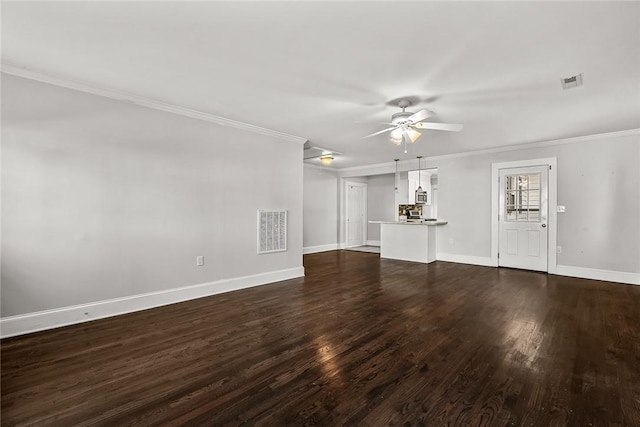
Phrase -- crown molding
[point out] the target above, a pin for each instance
(525, 146)
(82, 86)
(382, 165)
(321, 167)
(537, 144)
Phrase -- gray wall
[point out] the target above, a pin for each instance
(380, 202)
(102, 199)
(598, 182)
(320, 211)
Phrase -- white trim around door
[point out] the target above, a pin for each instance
(551, 163)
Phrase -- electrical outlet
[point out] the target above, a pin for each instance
(558, 249)
(560, 209)
(200, 260)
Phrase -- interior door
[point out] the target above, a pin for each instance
(523, 231)
(356, 220)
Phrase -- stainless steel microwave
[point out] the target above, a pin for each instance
(421, 196)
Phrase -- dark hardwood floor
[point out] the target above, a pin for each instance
(360, 341)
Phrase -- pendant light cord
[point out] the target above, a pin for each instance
(396, 175)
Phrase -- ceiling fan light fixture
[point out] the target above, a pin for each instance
(413, 135)
(405, 125)
(396, 136)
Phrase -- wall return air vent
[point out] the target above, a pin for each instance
(272, 231)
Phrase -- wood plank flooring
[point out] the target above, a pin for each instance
(359, 341)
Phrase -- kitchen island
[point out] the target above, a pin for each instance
(408, 241)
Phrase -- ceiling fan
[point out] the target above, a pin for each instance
(405, 125)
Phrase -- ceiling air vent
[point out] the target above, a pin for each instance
(573, 81)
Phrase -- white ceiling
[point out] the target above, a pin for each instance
(325, 71)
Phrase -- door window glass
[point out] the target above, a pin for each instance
(522, 198)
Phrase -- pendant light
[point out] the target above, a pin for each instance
(419, 174)
(396, 175)
(420, 194)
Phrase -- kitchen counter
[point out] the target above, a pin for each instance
(417, 222)
(417, 244)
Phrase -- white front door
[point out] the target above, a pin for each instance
(356, 210)
(523, 218)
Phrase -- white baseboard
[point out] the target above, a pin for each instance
(321, 248)
(368, 243)
(49, 319)
(466, 259)
(561, 270)
(596, 274)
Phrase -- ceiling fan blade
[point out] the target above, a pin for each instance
(379, 132)
(420, 116)
(438, 126)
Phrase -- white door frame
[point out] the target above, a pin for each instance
(365, 216)
(552, 163)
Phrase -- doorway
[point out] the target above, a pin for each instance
(524, 214)
(356, 213)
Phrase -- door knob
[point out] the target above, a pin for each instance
(544, 225)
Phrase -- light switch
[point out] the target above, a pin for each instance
(560, 209)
